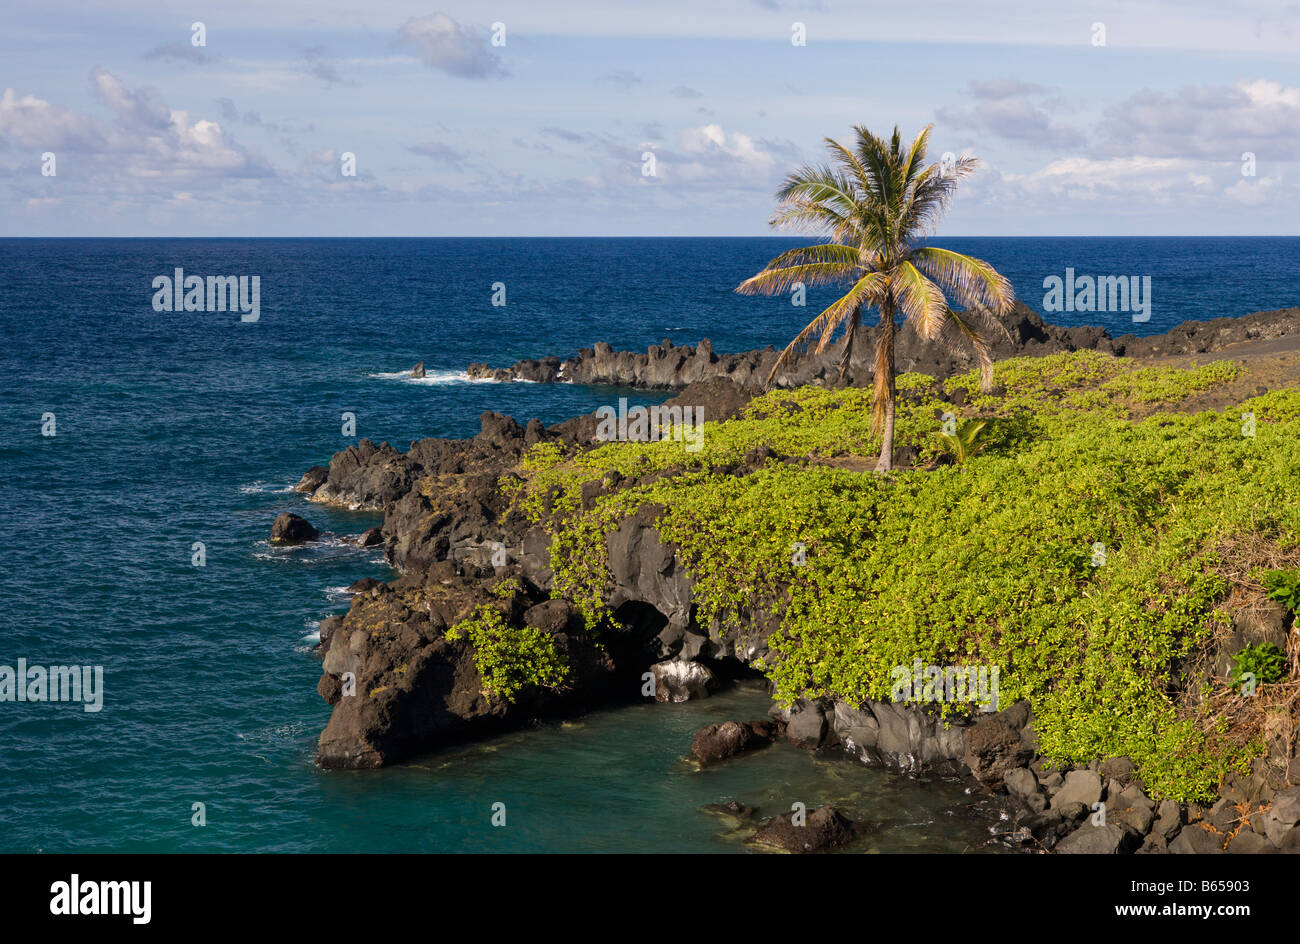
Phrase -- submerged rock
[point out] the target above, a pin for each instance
(825, 829)
(733, 809)
(288, 528)
(715, 742)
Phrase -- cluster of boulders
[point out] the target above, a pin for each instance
(1102, 808)
(291, 529)
(797, 831)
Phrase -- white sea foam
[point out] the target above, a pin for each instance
(326, 549)
(432, 378)
(266, 488)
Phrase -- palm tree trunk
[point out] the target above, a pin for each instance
(884, 387)
(849, 337)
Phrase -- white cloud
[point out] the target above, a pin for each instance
(146, 139)
(1212, 122)
(713, 156)
(445, 45)
(1255, 192)
(1266, 92)
(1003, 108)
(35, 123)
(137, 110)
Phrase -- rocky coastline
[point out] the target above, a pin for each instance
(401, 683)
(667, 366)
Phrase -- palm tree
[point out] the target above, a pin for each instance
(875, 203)
(968, 438)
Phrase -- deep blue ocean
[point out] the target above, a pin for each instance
(176, 428)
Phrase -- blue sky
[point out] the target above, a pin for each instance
(544, 135)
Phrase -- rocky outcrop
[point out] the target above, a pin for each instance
(715, 742)
(399, 685)
(899, 736)
(288, 528)
(312, 479)
(1201, 337)
(824, 829)
(456, 539)
(668, 366)
(365, 476)
(417, 372)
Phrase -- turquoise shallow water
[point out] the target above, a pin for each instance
(177, 428)
(617, 781)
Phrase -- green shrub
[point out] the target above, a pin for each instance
(507, 587)
(511, 658)
(1284, 586)
(1163, 385)
(1266, 662)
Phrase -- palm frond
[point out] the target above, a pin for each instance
(932, 192)
(775, 281)
(973, 281)
(825, 252)
(873, 153)
(919, 299)
(821, 185)
(963, 324)
(967, 440)
(849, 160)
(913, 166)
(808, 215)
